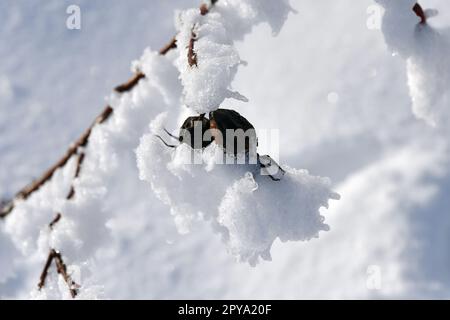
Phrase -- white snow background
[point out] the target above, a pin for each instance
(345, 106)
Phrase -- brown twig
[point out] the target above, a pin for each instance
(55, 220)
(80, 160)
(71, 193)
(420, 13)
(8, 206)
(130, 84)
(26, 192)
(44, 272)
(79, 164)
(171, 45)
(191, 55)
(61, 268)
(138, 76)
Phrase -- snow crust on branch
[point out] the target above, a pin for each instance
(82, 230)
(207, 83)
(248, 209)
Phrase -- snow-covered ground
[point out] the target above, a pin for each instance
(346, 108)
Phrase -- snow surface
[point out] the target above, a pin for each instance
(390, 168)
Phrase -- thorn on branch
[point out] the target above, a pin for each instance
(55, 220)
(130, 84)
(107, 112)
(171, 45)
(80, 161)
(420, 13)
(61, 268)
(71, 193)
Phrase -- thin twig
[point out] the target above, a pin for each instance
(192, 56)
(71, 193)
(44, 273)
(26, 192)
(171, 45)
(130, 84)
(8, 206)
(61, 268)
(55, 220)
(80, 160)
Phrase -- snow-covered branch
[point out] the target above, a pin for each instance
(249, 209)
(55, 256)
(75, 149)
(8, 206)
